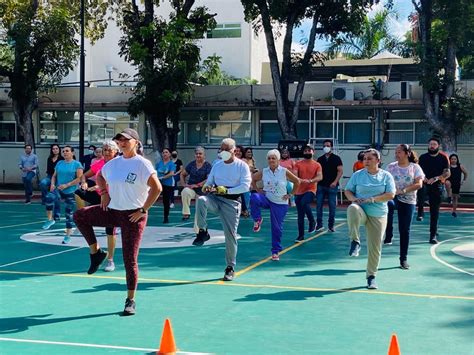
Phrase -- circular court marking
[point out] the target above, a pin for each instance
(434, 256)
(153, 237)
(466, 250)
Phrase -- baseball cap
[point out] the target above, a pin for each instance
(128, 133)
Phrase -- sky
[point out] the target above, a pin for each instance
(398, 25)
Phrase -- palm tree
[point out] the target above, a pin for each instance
(374, 38)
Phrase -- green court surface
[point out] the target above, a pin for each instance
(313, 301)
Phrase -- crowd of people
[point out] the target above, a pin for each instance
(119, 186)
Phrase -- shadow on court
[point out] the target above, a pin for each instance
(333, 272)
(293, 295)
(21, 324)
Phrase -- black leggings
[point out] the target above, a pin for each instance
(168, 191)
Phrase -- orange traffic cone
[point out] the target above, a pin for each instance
(394, 349)
(167, 345)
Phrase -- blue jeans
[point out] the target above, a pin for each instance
(28, 184)
(405, 216)
(331, 193)
(70, 204)
(303, 206)
(277, 216)
(45, 184)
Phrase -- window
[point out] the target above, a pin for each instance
(211, 126)
(399, 132)
(226, 30)
(9, 130)
(63, 126)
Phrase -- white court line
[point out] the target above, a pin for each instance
(434, 256)
(22, 224)
(39, 257)
(85, 345)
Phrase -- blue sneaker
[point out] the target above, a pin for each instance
(66, 239)
(355, 248)
(48, 224)
(371, 284)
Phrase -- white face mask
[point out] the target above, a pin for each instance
(225, 155)
(327, 149)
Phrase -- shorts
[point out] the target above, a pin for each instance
(455, 188)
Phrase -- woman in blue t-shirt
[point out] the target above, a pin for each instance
(369, 190)
(62, 188)
(166, 169)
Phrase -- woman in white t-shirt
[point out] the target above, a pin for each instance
(275, 197)
(408, 177)
(129, 187)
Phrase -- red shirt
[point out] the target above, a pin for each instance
(307, 169)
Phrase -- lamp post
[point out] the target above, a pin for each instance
(81, 85)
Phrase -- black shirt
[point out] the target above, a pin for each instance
(329, 166)
(433, 165)
(86, 161)
(51, 165)
(178, 164)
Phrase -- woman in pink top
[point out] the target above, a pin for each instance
(91, 195)
(289, 164)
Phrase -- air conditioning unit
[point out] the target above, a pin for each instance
(343, 92)
(405, 90)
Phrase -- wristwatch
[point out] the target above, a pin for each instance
(142, 210)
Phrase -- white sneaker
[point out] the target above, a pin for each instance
(110, 266)
(172, 205)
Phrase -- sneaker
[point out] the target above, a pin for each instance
(275, 257)
(27, 202)
(319, 229)
(229, 273)
(129, 309)
(433, 241)
(454, 214)
(201, 237)
(404, 265)
(166, 220)
(419, 218)
(386, 242)
(371, 284)
(257, 225)
(331, 229)
(292, 204)
(299, 239)
(96, 260)
(355, 248)
(311, 228)
(48, 224)
(110, 266)
(66, 239)
(172, 205)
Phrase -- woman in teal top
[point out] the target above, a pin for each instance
(62, 188)
(166, 169)
(369, 190)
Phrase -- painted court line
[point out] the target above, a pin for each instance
(260, 286)
(86, 345)
(22, 224)
(39, 257)
(286, 250)
(434, 256)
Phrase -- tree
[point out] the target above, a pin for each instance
(374, 38)
(166, 57)
(38, 48)
(328, 19)
(212, 74)
(443, 26)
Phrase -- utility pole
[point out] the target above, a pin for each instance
(81, 86)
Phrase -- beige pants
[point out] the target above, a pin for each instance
(375, 228)
(186, 196)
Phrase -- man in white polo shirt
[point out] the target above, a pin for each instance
(228, 178)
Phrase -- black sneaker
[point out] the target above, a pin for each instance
(454, 214)
(355, 248)
(320, 229)
(166, 220)
(371, 284)
(96, 260)
(229, 273)
(331, 229)
(129, 309)
(201, 237)
(404, 265)
(434, 240)
(299, 239)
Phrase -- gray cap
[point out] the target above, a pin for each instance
(128, 133)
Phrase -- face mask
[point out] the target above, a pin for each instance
(174, 155)
(225, 155)
(91, 150)
(433, 151)
(307, 155)
(327, 150)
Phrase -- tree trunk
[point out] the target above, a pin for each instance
(23, 113)
(450, 70)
